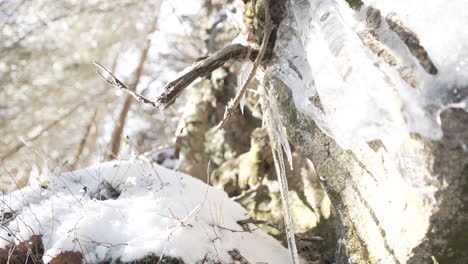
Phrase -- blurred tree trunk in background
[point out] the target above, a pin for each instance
(122, 117)
(47, 50)
(83, 142)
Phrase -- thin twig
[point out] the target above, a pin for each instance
(186, 221)
(182, 223)
(267, 29)
(233, 230)
(110, 78)
(244, 223)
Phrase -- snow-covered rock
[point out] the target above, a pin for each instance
(128, 209)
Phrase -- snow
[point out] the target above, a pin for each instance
(158, 210)
(363, 98)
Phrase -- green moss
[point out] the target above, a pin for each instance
(152, 258)
(357, 248)
(303, 217)
(260, 8)
(355, 4)
(273, 232)
(249, 11)
(249, 16)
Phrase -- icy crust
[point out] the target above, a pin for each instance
(158, 210)
(441, 28)
(363, 98)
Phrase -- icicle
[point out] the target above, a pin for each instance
(244, 71)
(279, 142)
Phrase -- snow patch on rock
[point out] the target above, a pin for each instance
(158, 210)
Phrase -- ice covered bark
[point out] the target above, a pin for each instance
(377, 75)
(379, 92)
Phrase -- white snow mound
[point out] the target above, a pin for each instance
(158, 210)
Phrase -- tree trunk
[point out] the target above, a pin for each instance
(83, 141)
(121, 120)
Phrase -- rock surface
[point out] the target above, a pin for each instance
(397, 202)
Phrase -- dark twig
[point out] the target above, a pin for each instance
(247, 194)
(309, 238)
(245, 224)
(200, 69)
(233, 230)
(174, 88)
(267, 29)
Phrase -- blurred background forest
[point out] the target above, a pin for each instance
(56, 113)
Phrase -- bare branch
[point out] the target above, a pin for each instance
(173, 89)
(202, 68)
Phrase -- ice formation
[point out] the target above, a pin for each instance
(279, 143)
(322, 51)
